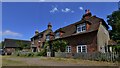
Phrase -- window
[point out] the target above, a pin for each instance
(47, 37)
(68, 49)
(81, 48)
(57, 35)
(81, 27)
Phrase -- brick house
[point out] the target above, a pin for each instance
(12, 45)
(90, 34)
(38, 40)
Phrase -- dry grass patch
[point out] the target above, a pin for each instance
(80, 61)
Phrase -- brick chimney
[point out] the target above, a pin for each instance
(36, 32)
(49, 26)
(87, 11)
(87, 14)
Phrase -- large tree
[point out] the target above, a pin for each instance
(114, 21)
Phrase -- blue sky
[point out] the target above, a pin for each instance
(21, 19)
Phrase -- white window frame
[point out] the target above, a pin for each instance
(68, 49)
(81, 27)
(81, 46)
(57, 36)
(47, 38)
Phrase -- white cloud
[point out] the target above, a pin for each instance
(67, 10)
(81, 8)
(9, 33)
(64, 10)
(55, 9)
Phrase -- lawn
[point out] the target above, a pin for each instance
(50, 61)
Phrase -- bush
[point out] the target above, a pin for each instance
(38, 54)
(30, 54)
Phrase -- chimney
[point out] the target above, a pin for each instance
(87, 11)
(36, 32)
(49, 26)
(87, 14)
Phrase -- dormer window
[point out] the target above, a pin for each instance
(81, 27)
(48, 37)
(57, 35)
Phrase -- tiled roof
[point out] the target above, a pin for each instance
(42, 33)
(15, 42)
(93, 21)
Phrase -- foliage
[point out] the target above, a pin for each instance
(22, 45)
(114, 21)
(117, 48)
(59, 45)
(1, 44)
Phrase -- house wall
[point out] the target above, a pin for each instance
(102, 38)
(89, 39)
(42, 39)
(9, 50)
(87, 26)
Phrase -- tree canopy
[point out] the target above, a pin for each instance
(114, 21)
(59, 45)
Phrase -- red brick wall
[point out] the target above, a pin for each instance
(9, 50)
(88, 39)
(87, 27)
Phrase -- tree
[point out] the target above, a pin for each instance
(1, 44)
(59, 45)
(22, 45)
(114, 21)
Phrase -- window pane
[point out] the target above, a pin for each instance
(81, 27)
(83, 48)
(68, 49)
(57, 35)
(47, 37)
(79, 49)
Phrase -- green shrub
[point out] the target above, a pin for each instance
(30, 54)
(42, 53)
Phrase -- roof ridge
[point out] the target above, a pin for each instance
(16, 39)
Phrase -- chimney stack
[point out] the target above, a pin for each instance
(49, 26)
(87, 14)
(87, 11)
(36, 32)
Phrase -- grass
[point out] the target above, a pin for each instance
(80, 61)
(15, 62)
(6, 62)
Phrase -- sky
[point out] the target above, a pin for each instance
(21, 19)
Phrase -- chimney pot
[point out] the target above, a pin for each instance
(49, 25)
(36, 32)
(87, 11)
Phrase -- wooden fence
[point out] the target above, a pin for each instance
(89, 56)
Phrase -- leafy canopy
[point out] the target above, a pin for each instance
(114, 21)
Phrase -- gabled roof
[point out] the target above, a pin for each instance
(15, 42)
(93, 21)
(41, 33)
